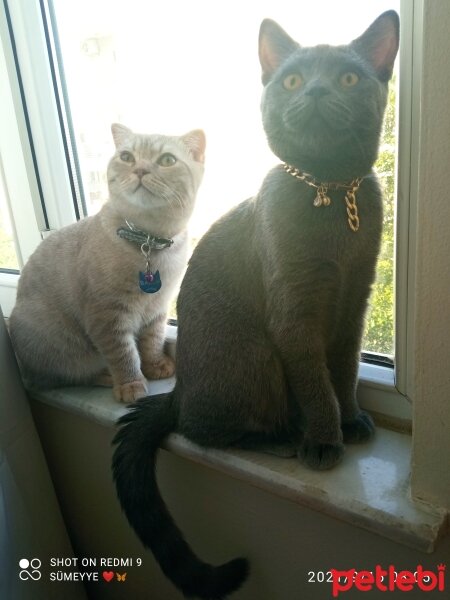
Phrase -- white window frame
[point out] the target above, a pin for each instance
(18, 173)
(377, 389)
(382, 390)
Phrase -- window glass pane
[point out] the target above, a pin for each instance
(171, 67)
(379, 333)
(8, 257)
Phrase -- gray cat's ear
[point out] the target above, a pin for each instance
(196, 142)
(275, 45)
(120, 134)
(379, 44)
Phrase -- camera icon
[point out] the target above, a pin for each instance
(29, 569)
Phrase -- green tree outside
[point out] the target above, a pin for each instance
(379, 332)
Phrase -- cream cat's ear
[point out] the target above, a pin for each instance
(275, 45)
(379, 44)
(120, 134)
(196, 142)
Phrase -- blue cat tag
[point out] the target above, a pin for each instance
(149, 282)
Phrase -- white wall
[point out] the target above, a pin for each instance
(431, 362)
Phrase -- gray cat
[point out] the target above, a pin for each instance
(270, 312)
(89, 308)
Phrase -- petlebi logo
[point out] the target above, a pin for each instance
(29, 569)
(388, 580)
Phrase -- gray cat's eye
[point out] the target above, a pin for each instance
(126, 156)
(349, 79)
(167, 160)
(292, 82)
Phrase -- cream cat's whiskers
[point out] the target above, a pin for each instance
(168, 195)
(125, 182)
(108, 316)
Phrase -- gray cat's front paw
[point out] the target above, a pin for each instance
(360, 429)
(281, 450)
(320, 456)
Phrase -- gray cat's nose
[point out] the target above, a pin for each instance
(140, 172)
(317, 90)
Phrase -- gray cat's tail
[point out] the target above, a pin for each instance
(145, 426)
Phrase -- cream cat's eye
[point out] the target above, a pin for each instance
(126, 156)
(167, 160)
(349, 79)
(292, 82)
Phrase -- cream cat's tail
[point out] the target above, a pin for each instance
(145, 426)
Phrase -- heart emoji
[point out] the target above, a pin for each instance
(108, 575)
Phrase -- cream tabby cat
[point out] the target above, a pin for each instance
(82, 315)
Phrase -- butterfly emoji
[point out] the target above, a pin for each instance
(121, 577)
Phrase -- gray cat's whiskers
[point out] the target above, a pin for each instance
(359, 143)
(338, 114)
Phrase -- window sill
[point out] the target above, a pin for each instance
(369, 489)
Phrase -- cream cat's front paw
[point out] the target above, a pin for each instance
(159, 369)
(131, 391)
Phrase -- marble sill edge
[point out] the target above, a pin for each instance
(401, 520)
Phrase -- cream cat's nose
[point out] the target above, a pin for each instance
(140, 172)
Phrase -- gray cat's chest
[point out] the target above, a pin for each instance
(324, 231)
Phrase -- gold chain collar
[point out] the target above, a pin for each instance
(322, 198)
